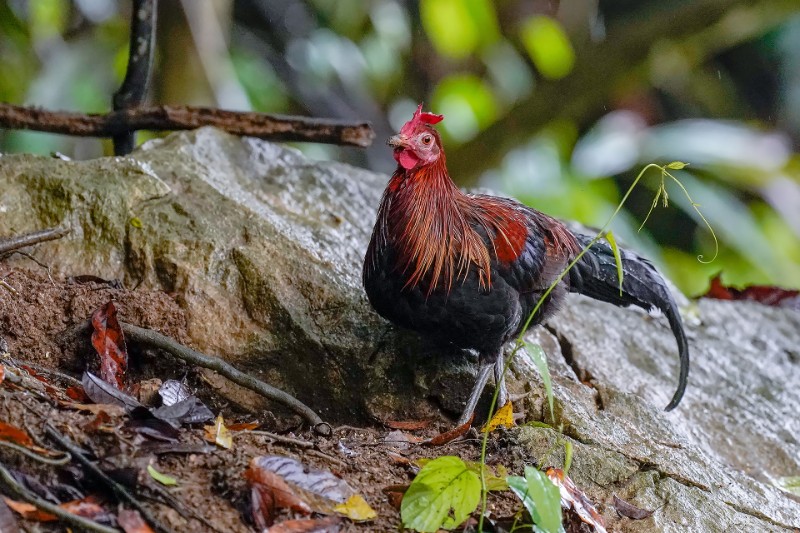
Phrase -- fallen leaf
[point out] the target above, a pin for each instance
(2, 376)
(164, 479)
(76, 394)
(629, 510)
(14, 434)
(219, 434)
(504, 417)
(329, 524)
(321, 490)
(131, 522)
(443, 438)
(8, 522)
(408, 425)
(28, 511)
(143, 422)
(101, 392)
(173, 391)
(356, 508)
(244, 426)
(269, 492)
(574, 498)
(108, 340)
(187, 411)
(772, 296)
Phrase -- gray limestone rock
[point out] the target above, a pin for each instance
(263, 248)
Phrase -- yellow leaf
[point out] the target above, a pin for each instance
(356, 508)
(504, 417)
(219, 434)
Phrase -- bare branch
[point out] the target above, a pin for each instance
(29, 239)
(140, 59)
(166, 118)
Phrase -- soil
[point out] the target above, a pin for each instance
(40, 322)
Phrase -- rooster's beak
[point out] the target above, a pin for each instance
(397, 141)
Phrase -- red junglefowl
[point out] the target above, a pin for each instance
(468, 269)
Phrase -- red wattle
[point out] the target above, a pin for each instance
(406, 159)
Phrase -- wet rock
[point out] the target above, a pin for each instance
(262, 249)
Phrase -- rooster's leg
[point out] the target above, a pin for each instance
(500, 382)
(484, 371)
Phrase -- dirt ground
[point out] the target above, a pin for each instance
(38, 325)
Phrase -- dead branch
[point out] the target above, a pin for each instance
(154, 339)
(25, 495)
(140, 59)
(13, 244)
(281, 439)
(171, 118)
(121, 492)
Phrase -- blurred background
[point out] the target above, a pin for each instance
(557, 103)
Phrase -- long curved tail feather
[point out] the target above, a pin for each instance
(595, 275)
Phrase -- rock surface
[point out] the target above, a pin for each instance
(262, 249)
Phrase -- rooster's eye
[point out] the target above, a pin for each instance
(427, 139)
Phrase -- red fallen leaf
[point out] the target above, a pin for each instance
(2, 373)
(87, 507)
(408, 425)
(573, 498)
(244, 426)
(108, 340)
(28, 511)
(629, 510)
(77, 394)
(329, 524)
(443, 438)
(132, 522)
(268, 492)
(8, 522)
(772, 296)
(14, 434)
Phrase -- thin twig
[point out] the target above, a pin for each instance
(173, 118)
(9, 288)
(120, 491)
(280, 438)
(140, 58)
(23, 494)
(327, 457)
(64, 459)
(44, 370)
(157, 340)
(15, 243)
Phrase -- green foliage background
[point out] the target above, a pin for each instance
(558, 104)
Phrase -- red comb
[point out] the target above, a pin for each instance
(421, 117)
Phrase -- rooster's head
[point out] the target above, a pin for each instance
(418, 143)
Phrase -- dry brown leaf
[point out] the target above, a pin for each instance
(629, 510)
(329, 524)
(132, 522)
(219, 434)
(408, 425)
(443, 438)
(108, 340)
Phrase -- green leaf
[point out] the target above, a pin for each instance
(548, 46)
(164, 479)
(541, 498)
(444, 493)
(789, 484)
(539, 359)
(677, 165)
(136, 222)
(617, 258)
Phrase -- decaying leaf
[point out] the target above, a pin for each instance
(244, 426)
(14, 434)
(2, 373)
(8, 522)
(219, 434)
(173, 391)
(408, 425)
(189, 410)
(132, 522)
(87, 507)
(448, 436)
(629, 510)
(329, 524)
(504, 417)
(322, 491)
(102, 392)
(76, 394)
(772, 296)
(108, 340)
(269, 492)
(574, 498)
(356, 508)
(28, 511)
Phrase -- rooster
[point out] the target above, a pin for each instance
(468, 269)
